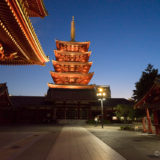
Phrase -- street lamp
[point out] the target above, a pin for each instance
(101, 94)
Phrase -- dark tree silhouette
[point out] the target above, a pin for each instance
(145, 82)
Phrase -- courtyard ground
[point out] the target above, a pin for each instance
(47, 142)
(130, 144)
(28, 142)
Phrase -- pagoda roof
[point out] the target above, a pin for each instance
(19, 42)
(73, 74)
(51, 85)
(71, 63)
(72, 53)
(72, 43)
(71, 78)
(35, 8)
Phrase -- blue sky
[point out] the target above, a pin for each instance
(124, 35)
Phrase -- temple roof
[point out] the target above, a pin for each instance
(69, 78)
(79, 67)
(152, 97)
(51, 85)
(18, 41)
(35, 8)
(71, 63)
(69, 74)
(64, 95)
(61, 94)
(27, 101)
(55, 94)
(72, 56)
(71, 43)
(71, 53)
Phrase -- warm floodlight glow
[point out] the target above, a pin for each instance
(114, 118)
(101, 94)
(100, 89)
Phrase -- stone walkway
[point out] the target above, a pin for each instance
(76, 143)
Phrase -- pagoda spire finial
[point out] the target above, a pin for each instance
(72, 30)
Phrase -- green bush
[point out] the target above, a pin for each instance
(99, 122)
(91, 121)
(107, 122)
(130, 128)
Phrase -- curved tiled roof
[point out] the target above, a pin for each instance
(18, 36)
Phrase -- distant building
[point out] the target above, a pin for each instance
(80, 103)
(4, 96)
(71, 97)
(5, 104)
(59, 104)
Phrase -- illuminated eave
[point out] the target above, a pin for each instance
(50, 85)
(150, 96)
(69, 74)
(36, 8)
(72, 43)
(71, 63)
(73, 78)
(20, 15)
(71, 53)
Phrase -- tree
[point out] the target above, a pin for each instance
(123, 110)
(145, 82)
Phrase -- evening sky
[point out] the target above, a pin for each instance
(124, 36)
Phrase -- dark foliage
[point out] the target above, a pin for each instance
(145, 82)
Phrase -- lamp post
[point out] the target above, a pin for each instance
(101, 94)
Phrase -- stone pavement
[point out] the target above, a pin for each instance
(49, 142)
(76, 143)
(30, 142)
(130, 144)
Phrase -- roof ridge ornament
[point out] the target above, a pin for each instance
(72, 30)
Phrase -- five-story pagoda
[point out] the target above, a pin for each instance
(71, 64)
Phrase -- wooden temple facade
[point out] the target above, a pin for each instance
(70, 94)
(151, 103)
(19, 44)
(58, 105)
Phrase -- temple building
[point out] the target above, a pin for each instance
(71, 96)
(4, 96)
(71, 64)
(5, 104)
(19, 44)
(70, 92)
(150, 103)
(62, 104)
